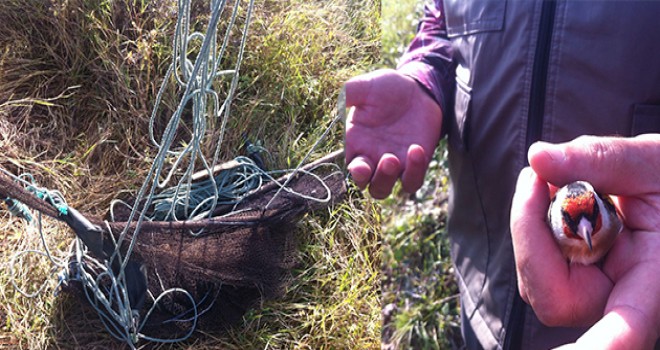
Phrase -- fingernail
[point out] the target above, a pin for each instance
(525, 176)
(416, 154)
(527, 172)
(554, 153)
(391, 167)
(359, 174)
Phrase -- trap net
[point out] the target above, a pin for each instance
(201, 241)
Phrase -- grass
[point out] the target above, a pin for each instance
(399, 22)
(78, 80)
(420, 296)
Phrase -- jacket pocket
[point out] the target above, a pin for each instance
(646, 119)
(474, 16)
(462, 114)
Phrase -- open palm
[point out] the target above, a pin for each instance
(392, 133)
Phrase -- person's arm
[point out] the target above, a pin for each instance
(428, 58)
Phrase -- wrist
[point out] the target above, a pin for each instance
(424, 75)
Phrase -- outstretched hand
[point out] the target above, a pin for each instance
(392, 133)
(621, 300)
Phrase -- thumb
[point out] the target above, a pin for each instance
(357, 91)
(358, 88)
(531, 238)
(614, 165)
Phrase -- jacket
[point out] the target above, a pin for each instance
(509, 73)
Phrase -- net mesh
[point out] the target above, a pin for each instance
(241, 258)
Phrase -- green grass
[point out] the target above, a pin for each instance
(420, 296)
(78, 80)
(399, 22)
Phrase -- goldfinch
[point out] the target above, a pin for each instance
(584, 222)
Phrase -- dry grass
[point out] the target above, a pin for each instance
(77, 84)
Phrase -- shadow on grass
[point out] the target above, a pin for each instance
(75, 325)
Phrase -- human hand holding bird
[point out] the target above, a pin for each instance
(619, 298)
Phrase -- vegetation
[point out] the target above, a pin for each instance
(78, 79)
(399, 22)
(420, 296)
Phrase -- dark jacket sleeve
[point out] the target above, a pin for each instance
(428, 59)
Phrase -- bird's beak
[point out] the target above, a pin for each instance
(585, 230)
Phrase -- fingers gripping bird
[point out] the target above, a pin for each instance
(584, 222)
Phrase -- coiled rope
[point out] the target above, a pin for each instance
(196, 79)
(105, 286)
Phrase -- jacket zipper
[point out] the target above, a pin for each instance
(540, 73)
(513, 336)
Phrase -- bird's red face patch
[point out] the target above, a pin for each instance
(577, 206)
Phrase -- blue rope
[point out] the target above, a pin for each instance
(55, 198)
(18, 209)
(195, 200)
(196, 81)
(187, 199)
(106, 292)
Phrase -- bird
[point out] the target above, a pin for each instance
(584, 222)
